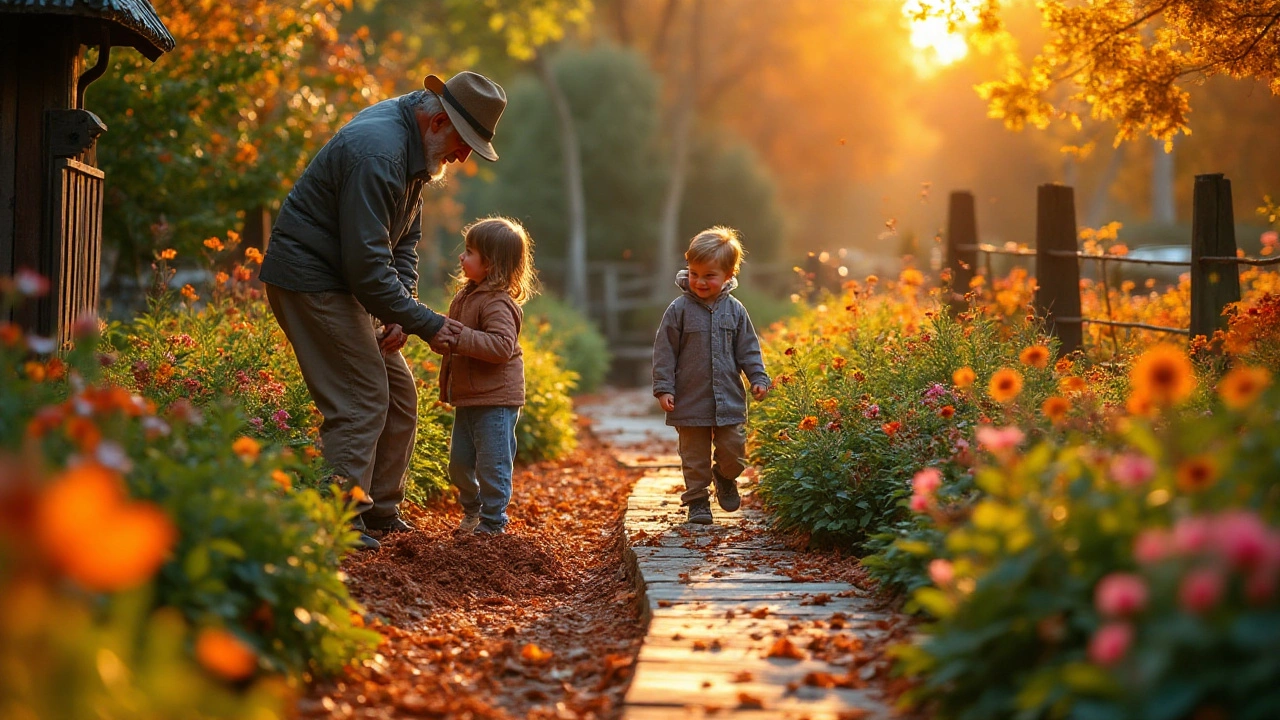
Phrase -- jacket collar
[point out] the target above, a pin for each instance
(682, 282)
(417, 153)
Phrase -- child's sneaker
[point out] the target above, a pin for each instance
(469, 523)
(700, 512)
(726, 492)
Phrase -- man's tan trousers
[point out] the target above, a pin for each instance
(369, 402)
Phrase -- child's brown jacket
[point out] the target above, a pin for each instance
(486, 366)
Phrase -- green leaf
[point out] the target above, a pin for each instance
(196, 565)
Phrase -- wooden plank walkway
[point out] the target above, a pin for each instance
(720, 604)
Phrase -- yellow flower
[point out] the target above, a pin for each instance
(225, 655)
(1072, 384)
(1242, 385)
(1055, 408)
(1005, 385)
(1163, 375)
(247, 448)
(963, 377)
(1197, 473)
(1035, 356)
(809, 423)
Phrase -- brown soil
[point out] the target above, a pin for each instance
(540, 623)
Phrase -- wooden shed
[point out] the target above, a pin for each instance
(51, 189)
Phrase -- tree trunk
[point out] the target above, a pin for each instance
(1163, 207)
(1098, 203)
(575, 291)
(683, 115)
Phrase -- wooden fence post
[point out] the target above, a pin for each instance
(1057, 267)
(962, 232)
(1213, 234)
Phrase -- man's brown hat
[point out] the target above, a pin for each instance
(474, 103)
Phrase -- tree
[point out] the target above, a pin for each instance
(1126, 61)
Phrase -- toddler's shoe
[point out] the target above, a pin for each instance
(700, 512)
(469, 523)
(487, 528)
(726, 492)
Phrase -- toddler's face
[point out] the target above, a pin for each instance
(473, 266)
(705, 279)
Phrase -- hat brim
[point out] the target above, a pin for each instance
(482, 147)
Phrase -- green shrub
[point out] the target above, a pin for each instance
(548, 425)
(579, 344)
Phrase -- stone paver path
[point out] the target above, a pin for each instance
(729, 628)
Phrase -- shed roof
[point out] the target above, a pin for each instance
(131, 22)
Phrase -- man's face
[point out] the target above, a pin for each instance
(443, 145)
(705, 279)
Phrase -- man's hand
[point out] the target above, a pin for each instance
(667, 401)
(392, 339)
(446, 337)
(759, 391)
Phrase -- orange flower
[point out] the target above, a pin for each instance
(83, 432)
(214, 244)
(1163, 375)
(225, 655)
(963, 377)
(189, 293)
(1005, 385)
(1197, 473)
(1072, 384)
(891, 428)
(1055, 408)
(221, 278)
(1063, 366)
(96, 537)
(247, 448)
(358, 494)
(947, 411)
(55, 369)
(829, 406)
(837, 363)
(1036, 356)
(242, 273)
(282, 479)
(253, 255)
(34, 370)
(809, 423)
(10, 334)
(310, 452)
(1242, 385)
(168, 254)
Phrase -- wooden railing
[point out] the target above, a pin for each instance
(1057, 260)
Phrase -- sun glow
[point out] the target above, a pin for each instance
(937, 42)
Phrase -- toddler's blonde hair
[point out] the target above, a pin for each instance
(506, 249)
(718, 246)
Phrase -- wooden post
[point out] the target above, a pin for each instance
(1057, 268)
(962, 236)
(1213, 234)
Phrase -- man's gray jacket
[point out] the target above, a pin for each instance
(353, 221)
(700, 354)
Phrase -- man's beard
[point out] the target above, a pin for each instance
(433, 146)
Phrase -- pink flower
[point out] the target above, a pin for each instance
(1191, 535)
(1120, 594)
(1200, 590)
(927, 481)
(871, 412)
(941, 572)
(920, 503)
(1243, 539)
(1132, 469)
(1152, 546)
(1110, 643)
(999, 440)
(1260, 586)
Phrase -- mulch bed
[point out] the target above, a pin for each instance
(539, 623)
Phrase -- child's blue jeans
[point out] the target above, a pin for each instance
(482, 453)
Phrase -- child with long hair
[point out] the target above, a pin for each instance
(482, 375)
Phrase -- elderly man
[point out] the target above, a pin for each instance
(341, 276)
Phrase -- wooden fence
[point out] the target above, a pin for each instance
(1214, 265)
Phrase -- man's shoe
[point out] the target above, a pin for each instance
(700, 512)
(364, 542)
(394, 524)
(727, 492)
(469, 523)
